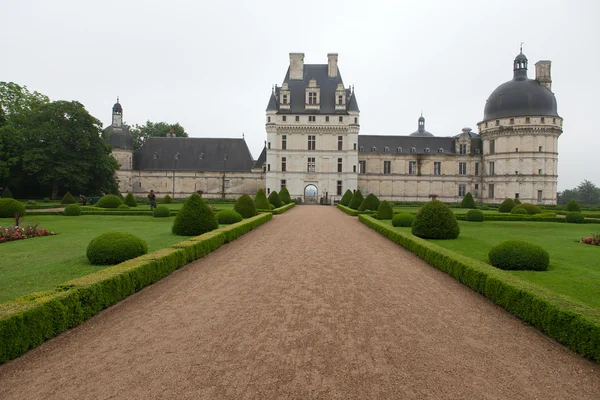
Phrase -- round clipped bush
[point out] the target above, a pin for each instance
(109, 201)
(130, 200)
(284, 196)
(345, 200)
(227, 217)
(574, 217)
(484, 207)
(260, 200)
(371, 202)
(385, 210)
(274, 199)
(161, 212)
(559, 208)
(245, 206)
(72, 210)
(403, 219)
(572, 205)
(68, 199)
(517, 201)
(435, 221)
(468, 201)
(9, 207)
(167, 199)
(474, 216)
(507, 206)
(530, 208)
(519, 255)
(114, 248)
(123, 207)
(46, 200)
(356, 200)
(519, 211)
(194, 218)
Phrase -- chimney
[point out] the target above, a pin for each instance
(542, 73)
(332, 68)
(297, 66)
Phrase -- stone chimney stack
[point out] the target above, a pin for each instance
(542, 73)
(296, 65)
(332, 68)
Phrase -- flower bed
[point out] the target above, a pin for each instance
(593, 240)
(13, 233)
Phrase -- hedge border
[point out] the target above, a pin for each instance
(572, 323)
(279, 210)
(32, 319)
(353, 212)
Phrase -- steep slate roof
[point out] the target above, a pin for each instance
(261, 159)
(272, 103)
(420, 143)
(213, 152)
(353, 105)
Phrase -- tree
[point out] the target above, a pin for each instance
(588, 193)
(141, 133)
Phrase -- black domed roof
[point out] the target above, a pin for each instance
(520, 96)
(117, 107)
(421, 131)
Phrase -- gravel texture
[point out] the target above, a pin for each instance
(312, 305)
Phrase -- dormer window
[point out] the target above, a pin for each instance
(177, 155)
(413, 150)
(527, 120)
(440, 150)
(427, 150)
(543, 120)
(512, 121)
(373, 149)
(155, 156)
(284, 100)
(201, 156)
(399, 150)
(312, 98)
(362, 149)
(386, 149)
(340, 100)
(497, 122)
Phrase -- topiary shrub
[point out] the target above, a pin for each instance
(507, 206)
(227, 217)
(574, 217)
(260, 200)
(167, 199)
(245, 206)
(559, 208)
(517, 201)
(346, 198)
(385, 210)
(371, 202)
(519, 211)
(484, 207)
(274, 199)
(530, 208)
(9, 207)
(161, 212)
(68, 199)
(114, 248)
(284, 196)
(7, 194)
(72, 210)
(194, 218)
(435, 221)
(519, 255)
(123, 207)
(109, 201)
(403, 219)
(468, 201)
(46, 200)
(474, 216)
(130, 200)
(572, 205)
(356, 201)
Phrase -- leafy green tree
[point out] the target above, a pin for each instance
(141, 133)
(588, 193)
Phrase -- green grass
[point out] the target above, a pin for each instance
(574, 269)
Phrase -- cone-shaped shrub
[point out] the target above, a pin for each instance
(72, 210)
(9, 207)
(109, 201)
(130, 200)
(517, 201)
(371, 202)
(468, 201)
(403, 219)
(356, 201)
(68, 199)
(245, 206)
(572, 206)
(194, 218)
(435, 221)
(530, 208)
(274, 199)
(385, 211)
(115, 247)
(7, 194)
(507, 206)
(346, 198)
(227, 217)
(474, 216)
(260, 200)
(284, 196)
(167, 199)
(161, 212)
(519, 255)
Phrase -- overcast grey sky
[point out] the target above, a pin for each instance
(210, 65)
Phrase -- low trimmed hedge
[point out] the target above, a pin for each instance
(572, 323)
(347, 210)
(282, 209)
(30, 320)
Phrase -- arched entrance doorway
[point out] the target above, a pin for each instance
(310, 194)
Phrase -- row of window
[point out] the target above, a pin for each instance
(527, 121)
(312, 143)
(312, 99)
(312, 118)
(493, 147)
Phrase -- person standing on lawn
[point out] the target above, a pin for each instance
(152, 198)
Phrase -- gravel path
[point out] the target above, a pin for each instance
(311, 305)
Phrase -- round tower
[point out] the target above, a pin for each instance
(117, 135)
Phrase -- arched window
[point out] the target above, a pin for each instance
(413, 150)
(440, 150)
(373, 149)
(386, 149)
(427, 150)
(399, 150)
(201, 156)
(177, 155)
(155, 156)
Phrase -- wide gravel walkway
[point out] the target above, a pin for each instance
(311, 305)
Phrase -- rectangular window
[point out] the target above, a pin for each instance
(539, 196)
(497, 122)
(312, 98)
(269, 145)
(539, 171)
(268, 190)
(543, 120)
(339, 165)
(340, 143)
(297, 118)
(339, 188)
(327, 118)
(527, 120)
(340, 100)
(492, 168)
(283, 164)
(516, 149)
(283, 142)
(310, 165)
(268, 167)
(268, 119)
(462, 168)
(312, 142)
(462, 190)
(354, 168)
(362, 165)
(412, 167)
(283, 183)
(341, 119)
(354, 146)
(312, 118)
(476, 168)
(356, 120)
(285, 99)
(437, 168)
(490, 191)
(462, 149)
(516, 195)
(387, 167)
(284, 118)
(492, 146)
(512, 121)
(540, 149)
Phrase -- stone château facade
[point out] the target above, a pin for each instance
(314, 148)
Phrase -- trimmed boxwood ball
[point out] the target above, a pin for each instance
(356, 201)
(385, 210)
(245, 206)
(109, 201)
(403, 219)
(130, 200)
(167, 199)
(161, 212)
(435, 221)
(530, 208)
(46, 200)
(72, 210)
(227, 217)
(9, 207)
(572, 205)
(507, 206)
(274, 199)
(284, 196)
(559, 208)
(484, 207)
(260, 200)
(474, 216)
(123, 207)
(194, 218)
(575, 217)
(371, 202)
(114, 248)
(68, 199)
(519, 211)
(346, 198)
(468, 201)
(519, 255)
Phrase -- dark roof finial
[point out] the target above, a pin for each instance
(522, 47)
(117, 98)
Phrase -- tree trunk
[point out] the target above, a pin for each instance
(54, 189)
